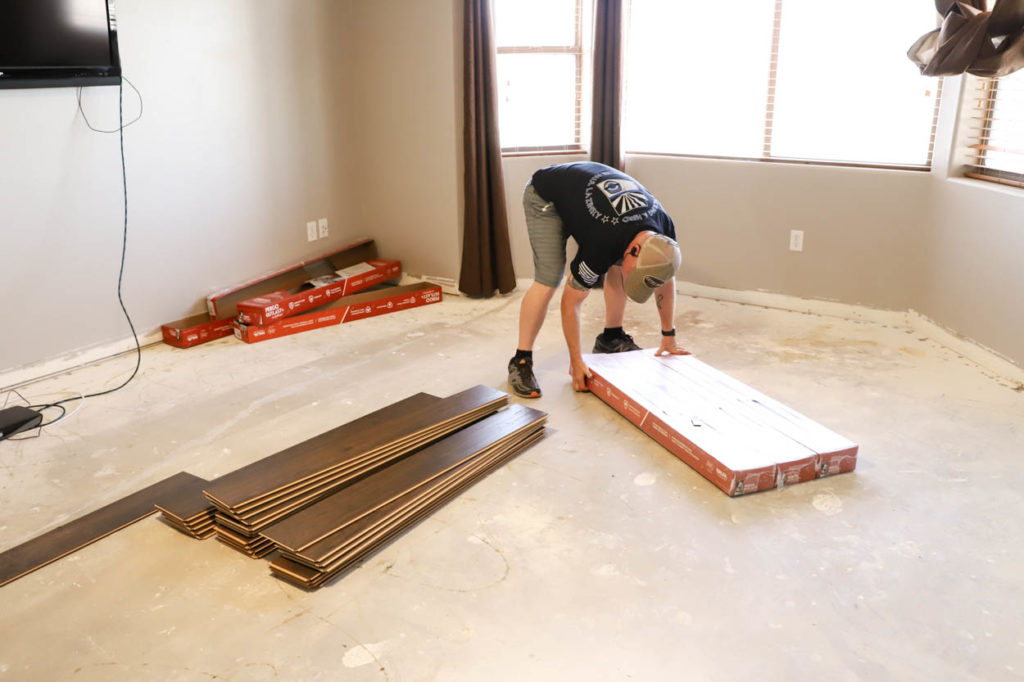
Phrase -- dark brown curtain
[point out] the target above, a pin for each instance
(486, 252)
(973, 40)
(605, 146)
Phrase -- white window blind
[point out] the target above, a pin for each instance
(543, 74)
(806, 80)
(995, 128)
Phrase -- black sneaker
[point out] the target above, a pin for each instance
(619, 344)
(521, 378)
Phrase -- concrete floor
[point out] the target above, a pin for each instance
(595, 555)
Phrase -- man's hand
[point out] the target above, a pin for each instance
(668, 347)
(579, 372)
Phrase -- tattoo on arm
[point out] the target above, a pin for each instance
(658, 298)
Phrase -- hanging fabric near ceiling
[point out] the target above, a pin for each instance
(486, 252)
(605, 145)
(973, 40)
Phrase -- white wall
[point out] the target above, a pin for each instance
(237, 148)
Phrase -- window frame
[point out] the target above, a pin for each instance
(578, 49)
(767, 157)
(983, 103)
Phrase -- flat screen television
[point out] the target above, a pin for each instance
(58, 43)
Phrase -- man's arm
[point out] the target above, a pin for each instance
(665, 298)
(572, 304)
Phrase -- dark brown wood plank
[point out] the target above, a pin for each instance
(96, 525)
(330, 514)
(350, 441)
(371, 533)
(327, 550)
(292, 464)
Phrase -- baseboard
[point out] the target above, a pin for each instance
(975, 352)
(764, 299)
(983, 356)
(21, 376)
(992, 360)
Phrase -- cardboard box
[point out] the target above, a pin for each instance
(346, 309)
(191, 331)
(739, 439)
(222, 305)
(342, 280)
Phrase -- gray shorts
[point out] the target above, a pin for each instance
(548, 238)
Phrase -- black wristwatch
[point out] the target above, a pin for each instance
(669, 333)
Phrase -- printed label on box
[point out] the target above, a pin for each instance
(353, 270)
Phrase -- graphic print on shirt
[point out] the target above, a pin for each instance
(628, 200)
(588, 276)
(623, 195)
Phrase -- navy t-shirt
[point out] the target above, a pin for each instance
(603, 209)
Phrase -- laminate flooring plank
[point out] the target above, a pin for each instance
(396, 525)
(351, 440)
(256, 513)
(286, 506)
(96, 525)
(327, 551)
(308, 577)
(242, 484)
(326, 516)
(332, 545)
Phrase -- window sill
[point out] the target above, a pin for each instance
(790, 162)
(546, 152)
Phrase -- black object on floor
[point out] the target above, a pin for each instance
(17, 419)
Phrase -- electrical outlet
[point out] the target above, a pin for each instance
(323, 228)
(311, 231)
(796, 240)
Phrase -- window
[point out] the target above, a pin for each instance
(543, 74)
(815, 80)
(995, 128)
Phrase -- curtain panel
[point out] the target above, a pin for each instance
(486, 251)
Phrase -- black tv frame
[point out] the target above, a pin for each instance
(17, 77)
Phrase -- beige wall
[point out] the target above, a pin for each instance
(406, 116)
(974, 284)
(237, 149)
(281, 112)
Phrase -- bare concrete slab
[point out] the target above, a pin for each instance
(595, 555)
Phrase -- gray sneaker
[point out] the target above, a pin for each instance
(617, 345)
(521, 378)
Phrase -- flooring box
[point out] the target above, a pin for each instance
(194, 330)
(358, 261)
(338, 283)
(738, 438)
(223, 304)
(346, 309)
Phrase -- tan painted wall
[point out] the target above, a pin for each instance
(974, 284)
(406, 130)
(285, 112)
(861, 227)
(236, 151)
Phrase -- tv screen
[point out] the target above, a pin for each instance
(54, 43)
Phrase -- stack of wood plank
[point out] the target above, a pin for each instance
(738, 438)
(191, 514)
(326, 538)
(333, 498)
(271, 489)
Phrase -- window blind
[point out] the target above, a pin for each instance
(543, 47)
(995, 129)
(801, 81)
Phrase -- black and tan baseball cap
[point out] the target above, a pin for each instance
(657, 262)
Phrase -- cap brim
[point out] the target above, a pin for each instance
(635, 288)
